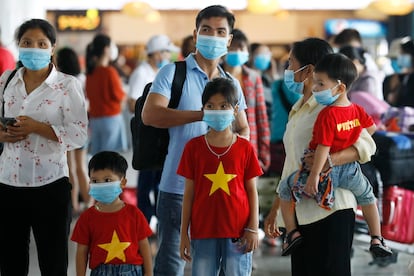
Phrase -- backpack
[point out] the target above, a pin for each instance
(150, 144)
(4, 89)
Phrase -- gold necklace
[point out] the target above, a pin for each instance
(221, 154)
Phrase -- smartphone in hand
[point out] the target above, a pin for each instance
(7, 121)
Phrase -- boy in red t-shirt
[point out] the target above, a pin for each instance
(220, 203)
(337, 127)
(112, 234)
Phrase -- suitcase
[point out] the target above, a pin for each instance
(395, 156)
(398, 214)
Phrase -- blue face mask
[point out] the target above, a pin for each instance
(325, 97)
(105, 192)
(291, 84)
(161, 63)
(262, 61)
(218, 120)
(34, 58)
(211, 47)
(395, 66)
(238, 58)
(404, 61)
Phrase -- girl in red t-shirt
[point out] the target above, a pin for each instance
(220, 203)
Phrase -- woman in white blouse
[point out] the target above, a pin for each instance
(50, 113)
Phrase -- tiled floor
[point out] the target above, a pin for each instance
(269, 262)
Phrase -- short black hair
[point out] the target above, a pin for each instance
(215, 11)
(223, 86)
(346, 36)
(311, 50)
(239, 38)
(338, 67)
(36, 23)
(67, 61)
(108, 160)
(352, 53)
(407, 47)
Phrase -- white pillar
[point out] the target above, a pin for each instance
(13, 13)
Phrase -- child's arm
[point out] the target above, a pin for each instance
(81, 259)
(371, 129)
(145, 251)
(320, 157)
(250, 235)
(185, 246)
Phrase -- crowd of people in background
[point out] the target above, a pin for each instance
(267, 100)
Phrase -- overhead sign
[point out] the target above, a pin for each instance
(86, 20)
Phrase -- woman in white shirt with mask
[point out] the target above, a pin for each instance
(35, 193)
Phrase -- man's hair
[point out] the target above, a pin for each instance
(108, 160)
(338, 67)
(239, 38)
(215, 11)
(311, 50)
(346, 36)
(223, 86)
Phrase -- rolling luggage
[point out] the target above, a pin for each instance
(395, 156)
(398, 214)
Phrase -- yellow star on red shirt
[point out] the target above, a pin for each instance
(220, 180)
(115, 248)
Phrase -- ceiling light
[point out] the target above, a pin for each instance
(263, 6)
(394, 7)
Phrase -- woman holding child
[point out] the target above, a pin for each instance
(327, 234)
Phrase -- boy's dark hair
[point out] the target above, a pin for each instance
(346, 36)
(35, 23)
(223, 86)
(108, 160)
(311, 50)
(354, 53)
(338, 67)
(215, 11)
(239, 38)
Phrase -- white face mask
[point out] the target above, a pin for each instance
(114, 51)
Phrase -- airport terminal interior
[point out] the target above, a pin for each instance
(384, 25)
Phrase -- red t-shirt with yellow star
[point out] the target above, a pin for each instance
(112, 238)
(220, 207)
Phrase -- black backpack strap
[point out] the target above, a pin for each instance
(178, 83)
(4, 89)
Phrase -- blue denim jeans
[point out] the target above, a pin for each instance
(168, 261)
(117, 270)
(209, 255)
(147, 180)
(348, 176)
